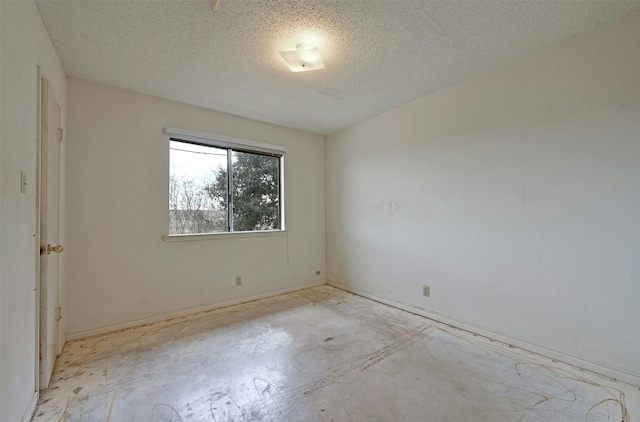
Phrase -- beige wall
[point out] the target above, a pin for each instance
(25, 45)
(119, 267)
(515, 196)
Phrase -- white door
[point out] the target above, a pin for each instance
(50, 248)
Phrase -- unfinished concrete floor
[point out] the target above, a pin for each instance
(319, 354)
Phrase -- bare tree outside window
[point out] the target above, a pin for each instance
(191, 210)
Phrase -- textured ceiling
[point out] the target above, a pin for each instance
(378, 53)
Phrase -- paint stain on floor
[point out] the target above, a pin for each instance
(318, 354)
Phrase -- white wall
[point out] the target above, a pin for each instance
(514, 195)
(119, 268)
(25, 44)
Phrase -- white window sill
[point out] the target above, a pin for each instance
(222, 235)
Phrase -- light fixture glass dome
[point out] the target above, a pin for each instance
(304, 58)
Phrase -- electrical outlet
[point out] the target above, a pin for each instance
(238, 281)
(426, 291)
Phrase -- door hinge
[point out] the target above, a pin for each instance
(58, 314)
(60, 134)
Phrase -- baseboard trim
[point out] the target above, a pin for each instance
(613, 373)
(31, 409)
(76, 335)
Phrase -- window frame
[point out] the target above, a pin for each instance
(239, 145)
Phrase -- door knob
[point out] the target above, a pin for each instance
(56, 249)
(48, 249)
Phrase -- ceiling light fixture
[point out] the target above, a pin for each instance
(304, 58)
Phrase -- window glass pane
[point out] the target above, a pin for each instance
(197, 188)
(256, 191)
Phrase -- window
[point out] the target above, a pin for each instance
(219, 185)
